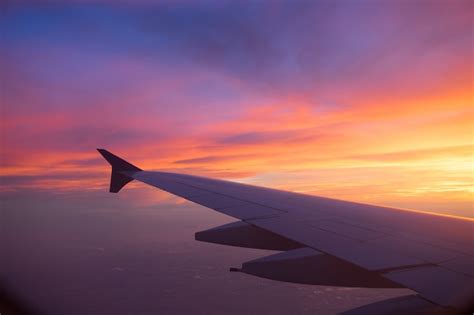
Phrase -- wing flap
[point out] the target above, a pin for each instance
(217, 201)
(414, 248)
(352, 231)
(367, 256)
(411, 304)
(462, 264)
(250, 211)
(437, 284)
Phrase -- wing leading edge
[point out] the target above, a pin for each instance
(331, 242)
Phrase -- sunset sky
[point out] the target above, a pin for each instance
(369, 101)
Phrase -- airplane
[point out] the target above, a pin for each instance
(332, 242)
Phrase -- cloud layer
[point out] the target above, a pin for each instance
(367, 101)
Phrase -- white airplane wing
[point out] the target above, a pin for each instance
(333, 242)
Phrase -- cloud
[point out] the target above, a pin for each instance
(464, 151)
(212, 159)
(237, 90)
(253, 138)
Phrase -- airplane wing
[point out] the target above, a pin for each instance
(333, 242)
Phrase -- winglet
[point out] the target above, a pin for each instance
(120, 168)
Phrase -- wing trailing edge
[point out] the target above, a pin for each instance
(407, 304)
(120, 171)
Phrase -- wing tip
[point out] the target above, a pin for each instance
(116, 162)
(118, 179)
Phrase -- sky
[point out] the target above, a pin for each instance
(369, 101)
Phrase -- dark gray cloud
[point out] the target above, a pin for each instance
(253, 138)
